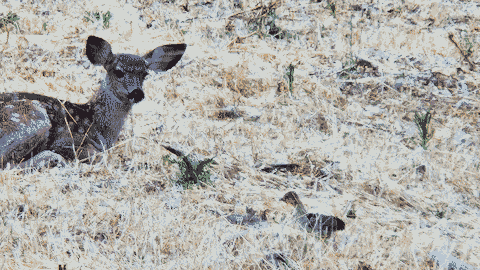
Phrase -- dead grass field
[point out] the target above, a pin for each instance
(347, 121)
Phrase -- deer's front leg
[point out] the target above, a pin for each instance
(46, 158)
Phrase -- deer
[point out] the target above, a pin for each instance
(38, 130)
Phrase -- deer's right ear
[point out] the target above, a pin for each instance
(99, 51)
(165, 57)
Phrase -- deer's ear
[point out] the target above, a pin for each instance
(98, 50)
(165, 57)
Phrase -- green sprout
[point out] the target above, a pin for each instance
(96, 16)
(191, 172)
(423, 122)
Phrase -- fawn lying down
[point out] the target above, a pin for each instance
(37, 130)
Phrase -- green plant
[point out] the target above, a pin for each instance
(351, 61)
(191, 173)
(467, 44)
(12, 19)
(44, 26)
(95, 16)
(265, 26)
(440, 214)
(237, 4)
(331, 6)
(289, 77)
(323, 31)
(423, 122)
(350, 36)
(350, 66)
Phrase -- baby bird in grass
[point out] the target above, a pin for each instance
(324, 224)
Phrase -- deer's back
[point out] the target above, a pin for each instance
(32, 123)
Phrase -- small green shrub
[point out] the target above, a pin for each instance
(191, 173)
(466, 43)
(331, 6)
(265, 25)
(289, 77)
(423, 122)
(95, 16)
(11, 18)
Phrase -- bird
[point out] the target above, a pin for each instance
(324, 224)
(250, 218)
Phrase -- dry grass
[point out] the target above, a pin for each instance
(348, 122)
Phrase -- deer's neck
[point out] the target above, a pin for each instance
(109, 115)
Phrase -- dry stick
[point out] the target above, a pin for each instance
(84, 136)
(73, 144)
(240, 38)
(29, 151)
(259, 6)
(240, 12)
(8, 35)
(111, 148)
(461, 51)
(67, 112)
(68, 126)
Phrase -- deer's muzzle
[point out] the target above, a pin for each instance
(137, 95)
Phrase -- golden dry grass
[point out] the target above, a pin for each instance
(126, 214)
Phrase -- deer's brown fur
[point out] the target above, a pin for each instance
(37, 129)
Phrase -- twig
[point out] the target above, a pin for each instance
(472, 67)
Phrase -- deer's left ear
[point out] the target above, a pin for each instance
(164, 57)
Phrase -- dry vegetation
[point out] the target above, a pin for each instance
(361, 70)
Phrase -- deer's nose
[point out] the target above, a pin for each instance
(137, 95)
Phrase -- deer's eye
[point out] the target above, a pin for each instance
(118, 73)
